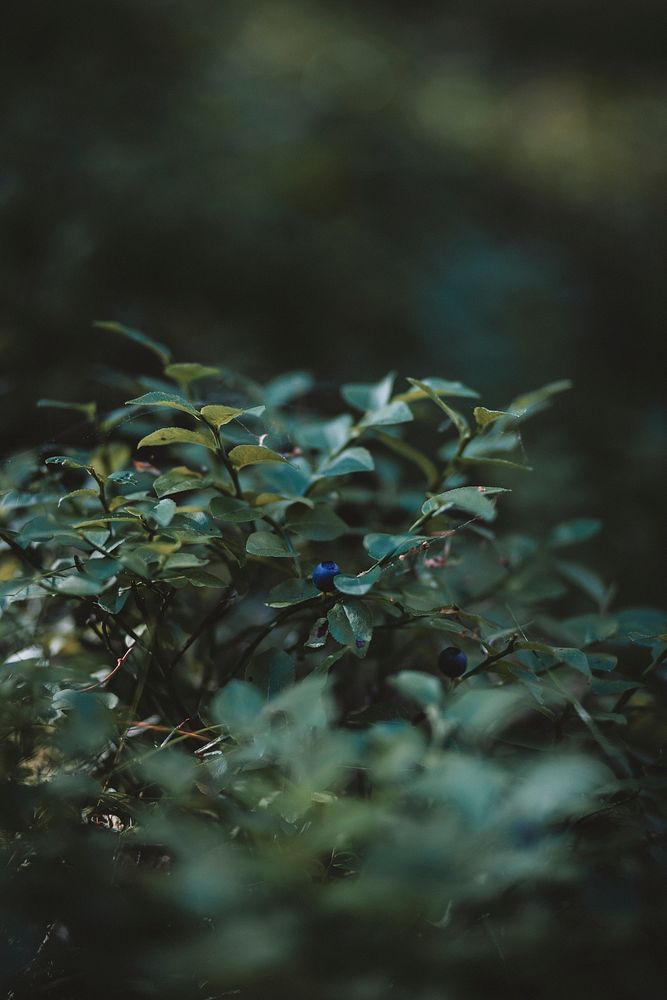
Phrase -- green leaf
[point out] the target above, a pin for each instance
(113, 601)
(178, 480)
(351, 625)
(163, 353)
(237, 706)
(583, 578)
(574, 658)
(367, 396)
(602, 661)
(218, 415)
(125, 478)
(325, 435)
(41, 529)
(272, 672)
(265, 543)
(231, 509)
(583, 630)
(481, 713)
(573, 532)
(75, 494)
(307, 706)
(529, 680)
(193, 527)
(88, 409)
(253, 454)
(186, 372)
(178, 435)
(498, 462)
(163, 512)
(77, 586)
(109, 519)
(423, 688)
(19, 589)
(359, 585)
(532, 402)
(321, 524)
(440, 386)
(380, 545)
(497, 441)
(485, 417)
(202, 578)
(606, 686)
(102, 569)
(19, 499)
(165, 399)
(393, 413)
(184, 560)
(351, 460)
(284, 388)
(473, 499)
(67, 462)
(456, 418)
(641, 625)
(292, 592)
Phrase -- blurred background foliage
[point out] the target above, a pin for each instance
(466, 189)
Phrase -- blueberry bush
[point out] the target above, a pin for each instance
(285, 713)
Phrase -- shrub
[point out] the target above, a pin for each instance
(219, 779)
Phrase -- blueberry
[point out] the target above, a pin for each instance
(452, 662)
(323, 575)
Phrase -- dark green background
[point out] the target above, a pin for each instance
(470, 190)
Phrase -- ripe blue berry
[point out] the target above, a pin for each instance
(452, 662)
(323, 575)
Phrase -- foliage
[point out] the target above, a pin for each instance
(218, 780)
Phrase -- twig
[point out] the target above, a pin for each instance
(120, 663)
(509, 648)
(266, 631)
(213, 616)
(625, 697)
(168, 729)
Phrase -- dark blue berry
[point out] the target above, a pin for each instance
(452, 662)
(323, 575)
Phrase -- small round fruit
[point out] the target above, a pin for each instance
(453, 662)
(323, 575)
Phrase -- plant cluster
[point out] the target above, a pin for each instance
(284, 714)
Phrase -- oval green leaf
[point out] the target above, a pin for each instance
(168, 399)
(178, 435)
(253, 454)
(265, 543)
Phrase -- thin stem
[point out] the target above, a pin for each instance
(490, 660)
(464, 441)
(132, 712)
(612, 754)
(229, 466)
(210, 619)
(25, 555)
(284, 534)
(102, 488)
(627, 695)
(120, 663)
(266, 631)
